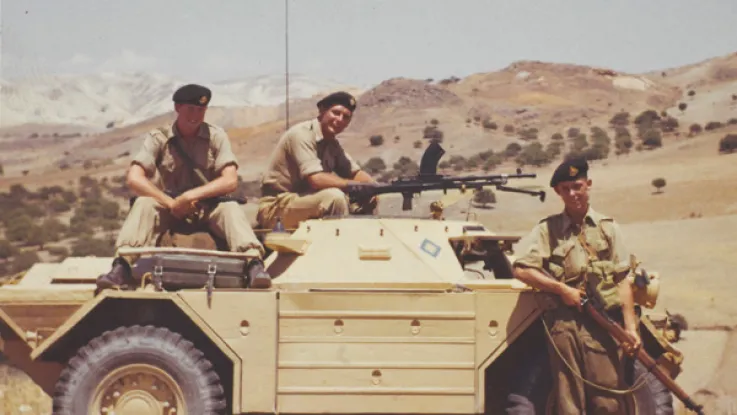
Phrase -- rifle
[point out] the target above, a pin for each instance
(210, 202)
(616, 331)
(428, 179)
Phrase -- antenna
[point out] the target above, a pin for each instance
(286, 58)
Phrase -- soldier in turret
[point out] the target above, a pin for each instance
(309, 172)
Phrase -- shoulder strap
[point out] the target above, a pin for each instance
(586, 246)
(188, 160)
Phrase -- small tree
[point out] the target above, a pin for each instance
(728, 144)
(682, 106)
(432, 133)
(7, 250)
(694, 129)
(652, 139)
(620, 119)
(669, 124)
(713, 125)
(376, 140)
(484, 197)
(658, 183)
(417, 144)
(489, 125)
(374, 165)
(512, 149)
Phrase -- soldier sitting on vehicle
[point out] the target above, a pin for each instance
(309, 173)
(195, 162)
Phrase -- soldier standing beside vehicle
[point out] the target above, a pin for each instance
(173, 152)
(309, 173)
(576, 247)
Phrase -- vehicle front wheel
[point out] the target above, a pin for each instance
(139, 370)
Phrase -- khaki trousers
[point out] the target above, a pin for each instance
(147, 221)
(591, 352)
(293, 208)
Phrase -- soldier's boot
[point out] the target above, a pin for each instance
(118, 277)
(257, 275)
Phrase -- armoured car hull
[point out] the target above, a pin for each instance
(364, 316)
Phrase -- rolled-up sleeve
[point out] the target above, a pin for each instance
(304, 151)
(533, 249)
(620, 252)
(354, 166)
(223, 151)
(147, 155)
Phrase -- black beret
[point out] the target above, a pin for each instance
(570, 170)
(338, 98)
(192, 94)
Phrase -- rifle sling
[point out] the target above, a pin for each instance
(188, 160)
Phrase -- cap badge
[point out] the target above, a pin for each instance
(353, 102)
(572, 171)
(203, 99)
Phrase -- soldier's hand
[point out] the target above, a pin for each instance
(360, 191)
(183, 206)
(571, 296)
(631, 347)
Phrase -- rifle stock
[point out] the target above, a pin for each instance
(622, 337)
(619, 334)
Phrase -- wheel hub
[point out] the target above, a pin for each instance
(138, 389)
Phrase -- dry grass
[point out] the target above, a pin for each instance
(24, 397)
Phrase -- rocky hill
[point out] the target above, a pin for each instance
(502, 112)
(114, 100)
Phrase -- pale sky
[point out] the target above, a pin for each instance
(357, 42)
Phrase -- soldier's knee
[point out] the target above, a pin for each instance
(144, 204)
(231, 209)
(607, 405)
(333, 202)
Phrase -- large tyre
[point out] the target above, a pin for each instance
(653, 398)
(139, 370)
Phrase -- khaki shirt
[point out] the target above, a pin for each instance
(210, 150)
(303, 151)
(555, 240)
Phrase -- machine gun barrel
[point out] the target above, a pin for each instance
(429, 179)
(409, 187)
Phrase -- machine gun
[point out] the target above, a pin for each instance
(428, 179)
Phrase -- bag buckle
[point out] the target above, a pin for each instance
(158, 273)
(211, 270)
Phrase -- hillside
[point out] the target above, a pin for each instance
(528, 101)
